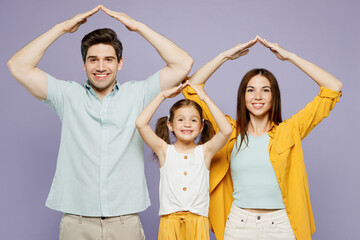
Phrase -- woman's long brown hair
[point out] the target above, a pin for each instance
(242, 114)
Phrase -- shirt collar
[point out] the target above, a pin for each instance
(272, 129)
(88, 87)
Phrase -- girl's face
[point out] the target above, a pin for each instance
(186, 124)
(258, 97)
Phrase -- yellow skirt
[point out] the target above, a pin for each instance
(183, 226)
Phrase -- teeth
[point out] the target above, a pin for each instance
(187, 131)
(102, 75)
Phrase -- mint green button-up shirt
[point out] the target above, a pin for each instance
(100, 165)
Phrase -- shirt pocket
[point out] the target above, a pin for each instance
(283, 146)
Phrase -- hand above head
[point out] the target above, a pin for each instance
(173, 92)
(128, 21)
(280, 52)
(199, 89)
(239, 50)
(72, 24)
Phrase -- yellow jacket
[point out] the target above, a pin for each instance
(286, 157)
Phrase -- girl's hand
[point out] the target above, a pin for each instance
(200, 91)
(280, 52)
(72, 24)
(128, 21)
(239, 50)
(173, 92)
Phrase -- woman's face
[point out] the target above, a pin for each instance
(258, 97)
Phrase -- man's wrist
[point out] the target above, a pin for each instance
(60, 28)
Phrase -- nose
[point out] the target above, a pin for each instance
(258, 95)
(187, 124)
(101, 66)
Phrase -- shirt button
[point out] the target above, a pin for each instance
(258, 217)
(184, 188)
(185, 157)
(185, 173)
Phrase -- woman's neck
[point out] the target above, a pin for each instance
(258, 126)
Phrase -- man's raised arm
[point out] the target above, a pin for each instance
(23, 65)
(178, 62)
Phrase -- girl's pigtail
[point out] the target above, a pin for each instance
(207, 132)
(162, 130)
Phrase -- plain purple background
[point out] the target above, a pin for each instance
(324, 32)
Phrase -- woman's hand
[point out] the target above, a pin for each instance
(280, 52)
(239, 50)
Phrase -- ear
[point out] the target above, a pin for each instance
(202, 126)
(84, 66)
(169, 125)
(120, 64)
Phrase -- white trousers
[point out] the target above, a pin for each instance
(245, 225)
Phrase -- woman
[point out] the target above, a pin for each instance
(269, 184)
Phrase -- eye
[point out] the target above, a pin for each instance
(194, 120)
(249, 90)
(109, 59)
(266, 90)
(92, 60)
(180, 119)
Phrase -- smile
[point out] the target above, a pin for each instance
(186, 131)
(100, 76)
(258, 105)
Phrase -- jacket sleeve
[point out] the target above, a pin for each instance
(314, 112)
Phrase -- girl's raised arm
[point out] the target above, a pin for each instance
(157, 144)
(319, 75)
(219, 140)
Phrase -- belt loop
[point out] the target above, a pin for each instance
(272, 220)
(246, 218)
(80, 219)
(122, 219)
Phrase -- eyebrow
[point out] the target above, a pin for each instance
(193, 116)
(261, 87)
(98, 57)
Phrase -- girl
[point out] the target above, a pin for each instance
(268, 180)
(184, 166)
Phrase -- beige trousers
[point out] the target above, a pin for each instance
(127, 227)
(245, 225)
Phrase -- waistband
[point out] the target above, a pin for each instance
(101, 219)
(269, 216)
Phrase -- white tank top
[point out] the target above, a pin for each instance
(184, 182)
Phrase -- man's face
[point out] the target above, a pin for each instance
(101, 66)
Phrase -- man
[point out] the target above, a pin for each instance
(99, 181)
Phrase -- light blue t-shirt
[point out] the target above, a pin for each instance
(100, 165)
(254, 179)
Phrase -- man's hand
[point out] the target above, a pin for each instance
(129, 22)
(72, 24)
